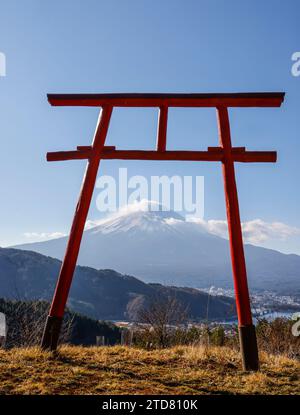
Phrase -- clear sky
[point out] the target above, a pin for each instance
(146, 46)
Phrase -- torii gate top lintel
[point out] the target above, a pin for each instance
(239, 99)
(224, 153)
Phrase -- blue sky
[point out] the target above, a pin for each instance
(146, 46)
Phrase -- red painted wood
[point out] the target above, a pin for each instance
(81, 212)
(162, 129)
(251, 99)
(225, 153)
(233, 149)
(212, 155)
(234, 222)
(88, 148)
(84, 148)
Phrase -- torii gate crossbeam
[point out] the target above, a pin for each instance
(225, 153)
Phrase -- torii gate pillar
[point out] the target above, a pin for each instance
(247, 335)
(55, 317)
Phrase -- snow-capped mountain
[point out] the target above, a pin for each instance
(161, 246)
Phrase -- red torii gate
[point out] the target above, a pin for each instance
(225, 153)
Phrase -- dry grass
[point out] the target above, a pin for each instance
(123, 370)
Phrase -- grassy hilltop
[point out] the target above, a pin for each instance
(124, 370)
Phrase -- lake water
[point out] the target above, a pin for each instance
(267, 316)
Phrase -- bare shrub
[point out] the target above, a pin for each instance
(160, 319)
(25, 323)
(276, 337)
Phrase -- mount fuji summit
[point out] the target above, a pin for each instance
(162, 246)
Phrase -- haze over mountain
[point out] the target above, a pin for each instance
(104, 294)
(161, 246)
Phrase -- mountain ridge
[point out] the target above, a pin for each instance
(100, 294)
(161, 246)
